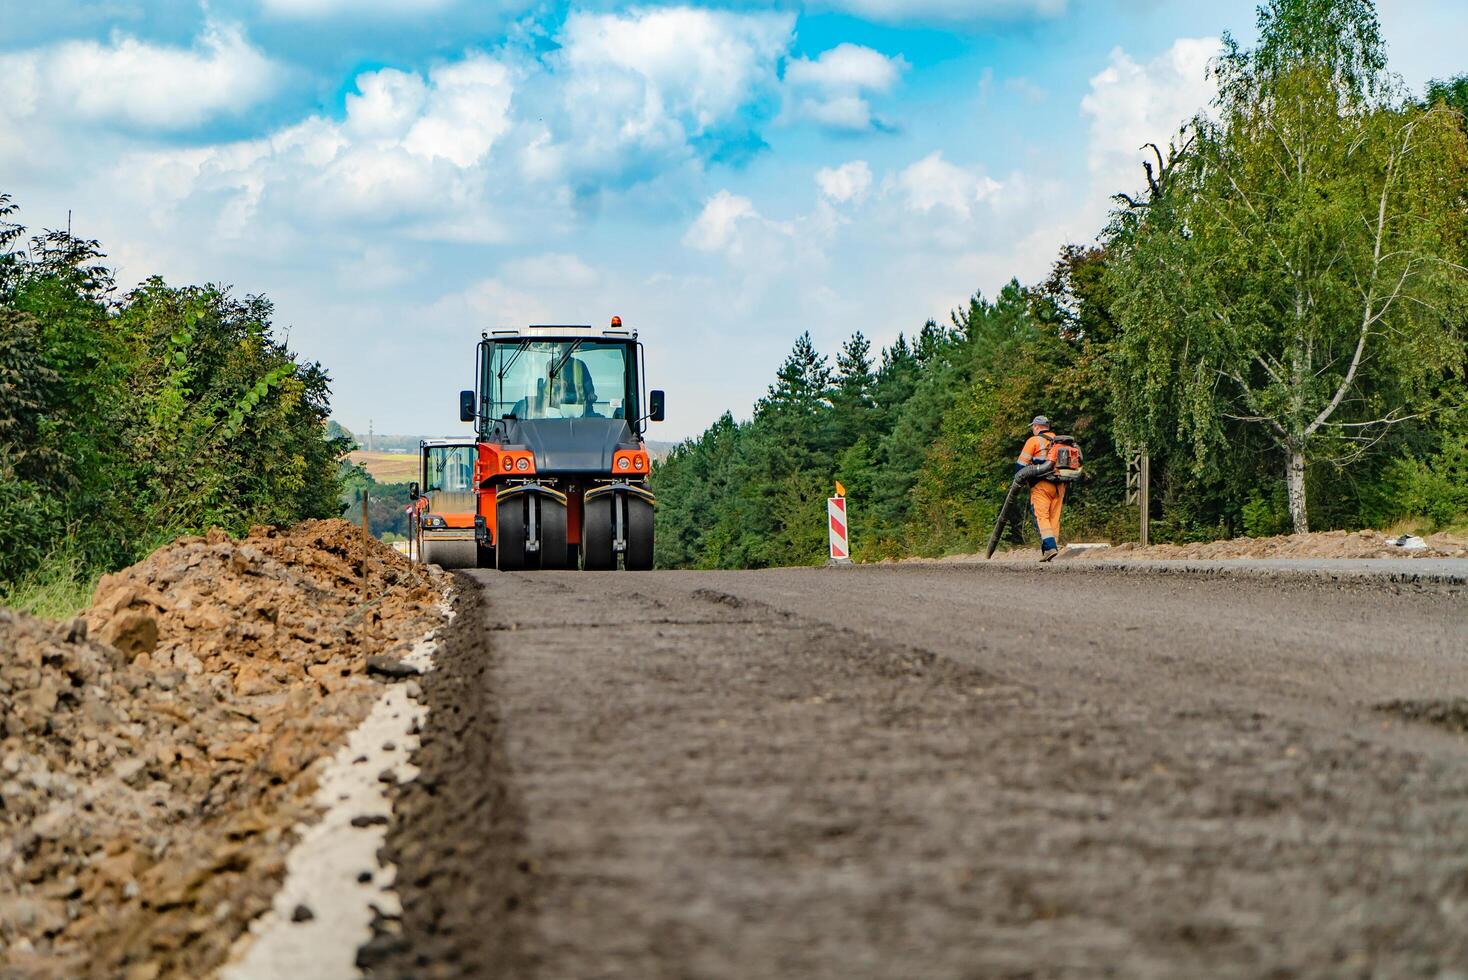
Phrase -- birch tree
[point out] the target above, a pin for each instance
(1301, 271)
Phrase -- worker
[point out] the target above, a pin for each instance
(574, 391)
(1046, 495)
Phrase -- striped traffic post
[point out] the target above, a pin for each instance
(840, 541)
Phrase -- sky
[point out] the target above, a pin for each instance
(399, 175)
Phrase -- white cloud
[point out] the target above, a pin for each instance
(845, 184)
(491, 303)
(411, 151)
(649, 81)
(933, 183)
(896, 11)
(467, 109)
(716, 227)
(1132, 104)
(135, 83)
(833, 89)
(554, 287)
(552, 270)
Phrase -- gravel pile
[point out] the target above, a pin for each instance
(155, 754)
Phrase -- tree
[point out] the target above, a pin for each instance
(124, 421)
(854, 411)
(1300, 270)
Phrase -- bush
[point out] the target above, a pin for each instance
(1267, 516)
(1435, 490)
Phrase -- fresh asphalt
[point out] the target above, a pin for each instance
(944, 770)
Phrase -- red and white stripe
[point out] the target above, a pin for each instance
(836, 514)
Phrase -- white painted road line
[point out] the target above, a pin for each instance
(324, 909)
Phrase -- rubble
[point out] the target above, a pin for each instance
(155, 755)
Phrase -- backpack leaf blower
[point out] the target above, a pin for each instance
(1023, 478)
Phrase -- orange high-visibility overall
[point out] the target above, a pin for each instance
(1046, 496)
(1046, 499)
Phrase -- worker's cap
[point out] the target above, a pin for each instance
(1039, 420)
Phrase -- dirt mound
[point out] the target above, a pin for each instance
(155, 754)
(1320, 544)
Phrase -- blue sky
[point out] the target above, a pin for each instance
(400, 174)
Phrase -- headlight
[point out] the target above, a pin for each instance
(637, 462)
(509, 463)
(522, 464)
(623, 463)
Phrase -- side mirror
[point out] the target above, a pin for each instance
(413, 493)
(466, 406)
(656, 414)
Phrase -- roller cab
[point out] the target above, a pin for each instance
(445, 503)
(561, 470)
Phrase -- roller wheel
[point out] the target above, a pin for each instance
(450, 554)
(596, 535)
(639, 535)
(555, 552)
(509, 534)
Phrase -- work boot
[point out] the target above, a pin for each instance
(1049, 553)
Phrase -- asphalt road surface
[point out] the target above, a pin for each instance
(938, 771)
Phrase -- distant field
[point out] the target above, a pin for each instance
(387, 467)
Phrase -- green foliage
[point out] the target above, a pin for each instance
(387, 516)
(1267, 514)
(125, 421)
(1431, 486)
(1300, 268)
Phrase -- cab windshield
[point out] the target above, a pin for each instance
(558, 379)
(449, 469)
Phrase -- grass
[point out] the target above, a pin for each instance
(1423, 526)
(60, 589)
(387, 467)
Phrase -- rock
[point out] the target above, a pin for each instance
(302, 913)
(146, 970)
(251, 680)
(43, 698)
(386, 666)
(24, 914)
(128, 769)
(112, 597)
(54, 822)
(132, 631)
(283, 758)
(370, 820)
(76, 630)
